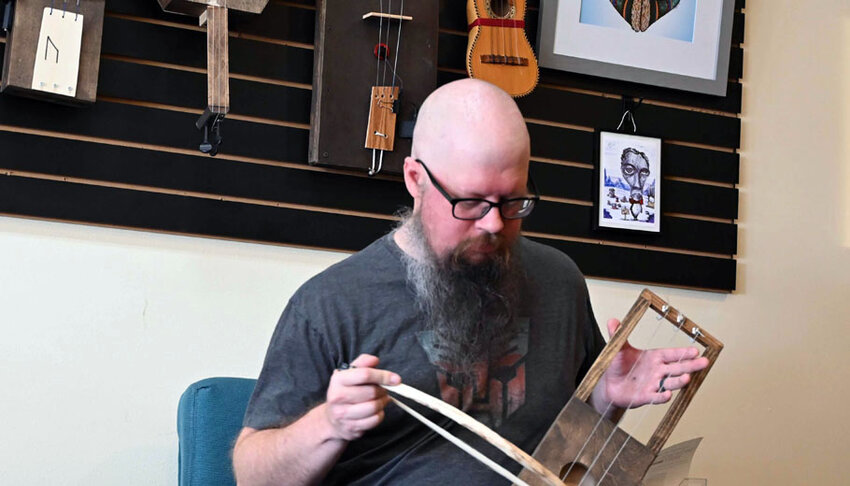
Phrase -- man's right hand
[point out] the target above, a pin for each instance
(355, 401)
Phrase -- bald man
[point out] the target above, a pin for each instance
(454, 302)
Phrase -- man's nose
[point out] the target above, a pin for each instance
(492, 221)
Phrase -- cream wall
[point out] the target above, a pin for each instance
(102, 329)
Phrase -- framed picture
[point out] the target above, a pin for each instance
(628, 193)
(680, 44)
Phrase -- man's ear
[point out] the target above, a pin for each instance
(412, 177)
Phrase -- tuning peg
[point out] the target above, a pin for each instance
(206, 147)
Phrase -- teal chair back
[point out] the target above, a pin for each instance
(209, 417)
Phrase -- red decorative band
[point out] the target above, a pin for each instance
(514, 24)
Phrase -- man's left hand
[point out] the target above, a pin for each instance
(656, 374)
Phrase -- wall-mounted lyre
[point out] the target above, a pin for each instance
(384, 99)
(213, 13)
(585, 448)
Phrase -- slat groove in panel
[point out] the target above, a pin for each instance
(605, 113)
(556, 143)
(182, 88)
(103, 205)
(232, 179)
(298, 26)
(452, 54)
(188, 215)
(188, 48)
(156, 127)
(649, 266)
(687, 234)
(200, 174)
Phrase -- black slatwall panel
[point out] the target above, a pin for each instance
(74, 164)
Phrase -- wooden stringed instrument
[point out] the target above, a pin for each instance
(213, 13)
(582, 447)
(498, 49)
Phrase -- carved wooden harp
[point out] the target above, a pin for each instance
(588, 445)
(582, 447)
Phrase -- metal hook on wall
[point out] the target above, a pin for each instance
(629, 109)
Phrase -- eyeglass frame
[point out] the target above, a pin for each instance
(454, 201)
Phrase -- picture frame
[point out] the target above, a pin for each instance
(686, 47)
(627, 195)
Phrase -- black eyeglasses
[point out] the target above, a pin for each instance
(471, 208)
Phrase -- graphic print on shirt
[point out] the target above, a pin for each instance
(495, 390)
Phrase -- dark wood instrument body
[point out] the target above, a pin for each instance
(345, 69)
(560, 447)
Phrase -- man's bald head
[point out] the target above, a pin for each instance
(470, 120)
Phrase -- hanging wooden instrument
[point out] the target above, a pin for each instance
(384, 97)
(498, 49)
(213, 13)
(374, 63)
(582, 447)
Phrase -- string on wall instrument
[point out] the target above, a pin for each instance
(499, 51)
(213, 14)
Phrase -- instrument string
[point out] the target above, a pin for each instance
(643, 416)
(381, 102)
(492, 35)
(397, 45)
(515, 33)
(387, 43)
(608, 407)
(211, 56)
(378, 45)
(216, 54)
(502, 34)
(634, 397)
(378, 55)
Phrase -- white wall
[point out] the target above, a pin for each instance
(101, 329)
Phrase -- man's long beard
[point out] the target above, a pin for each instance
(469, 307)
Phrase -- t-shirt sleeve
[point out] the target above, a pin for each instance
(295, 373)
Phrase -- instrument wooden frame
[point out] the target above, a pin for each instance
(578, 420)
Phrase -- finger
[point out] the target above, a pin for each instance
(342, 394)
(675, 355)
(361, 410)
(366, 376)
(354, 429)
(662, 397)
(675, 382)
(613, 325)
(365, 361)
(689, 366)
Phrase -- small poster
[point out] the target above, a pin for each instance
(629, 182)
(57, 59)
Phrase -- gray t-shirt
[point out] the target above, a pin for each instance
(364, 305)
